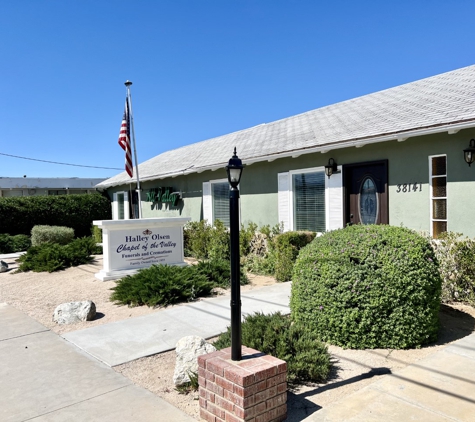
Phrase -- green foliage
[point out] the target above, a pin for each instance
(17, 243)
(196, 239)
(54, 257)
(219, 239)
(261, 258)
(96, 234)
(287, 247)
(203, 241)
(218, 272)
(161, 285)
(307, 358)
(51, 234)
(18, 215)
(368, 287)
(246, 235)
(190, 386)
(457, 267)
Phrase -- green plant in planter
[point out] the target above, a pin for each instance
(307, 358)
(368, 287)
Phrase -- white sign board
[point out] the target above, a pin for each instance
(129, 245)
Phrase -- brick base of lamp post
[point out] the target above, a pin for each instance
(253, 389)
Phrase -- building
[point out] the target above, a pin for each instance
(399, 157)
(31, 186)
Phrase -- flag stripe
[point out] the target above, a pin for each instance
(124, 139)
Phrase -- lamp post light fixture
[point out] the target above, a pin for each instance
(234, 170)
(469, 153)
(331, 167)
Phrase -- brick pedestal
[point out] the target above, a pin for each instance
(253, 389)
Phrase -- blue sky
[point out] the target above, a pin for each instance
(200, 68)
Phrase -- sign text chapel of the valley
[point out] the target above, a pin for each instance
(129, 245)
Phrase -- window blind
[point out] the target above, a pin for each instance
(309, 201)
(221, 202)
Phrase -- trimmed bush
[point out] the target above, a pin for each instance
(17, 243)
(18, 215)
(161, 285)
(368, 287)
(51, 234)
(54, 257)
(203, 241)
(457, 267)
(219, 272)
(307, 358)
(287, 247)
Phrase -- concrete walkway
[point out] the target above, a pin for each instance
(440, 387)
(122, 341)
(45, 378)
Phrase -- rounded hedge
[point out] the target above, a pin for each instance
(368, 287)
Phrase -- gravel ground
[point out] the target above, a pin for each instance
(37, 294)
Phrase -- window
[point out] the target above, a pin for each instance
(438, 194)
(308, 191)
(216, 201)
(308, 200)
(220, 192)
(57, 192)
(120, 206)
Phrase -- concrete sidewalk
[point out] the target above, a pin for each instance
(45, 378)
(439, 388)
(123, 341)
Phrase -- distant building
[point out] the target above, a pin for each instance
(33, 186)
(398, 155)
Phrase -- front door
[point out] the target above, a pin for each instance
(366, 193)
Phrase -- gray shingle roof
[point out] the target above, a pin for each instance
(435, 103)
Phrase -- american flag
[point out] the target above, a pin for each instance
(124, 139)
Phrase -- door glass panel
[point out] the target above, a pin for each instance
(368, 202)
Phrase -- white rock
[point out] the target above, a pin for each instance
(187, 351)
(3, 267)
(73, 312)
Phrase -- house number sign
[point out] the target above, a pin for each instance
(409, 187)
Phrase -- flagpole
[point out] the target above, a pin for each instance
(129, 98)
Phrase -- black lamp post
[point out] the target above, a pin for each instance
(234, 170)
(469, 153)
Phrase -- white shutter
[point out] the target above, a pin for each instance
(283, 182)
(126, 206)
(207, 203)
(334, 201)
(115, 207)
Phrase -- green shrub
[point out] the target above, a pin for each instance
(18, 215)
(368, 287)
(307, 358)
(96, 234)
(246, 235)
(196, 239)
(219, 242)
(218, 272)
(51, 234)
(456, 257)
(261, 258)
(287, 247)
(17, 243)
(53, 257)
(161, 285)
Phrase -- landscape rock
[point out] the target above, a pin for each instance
(73, 312)
(3, 267)
(187, 351)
